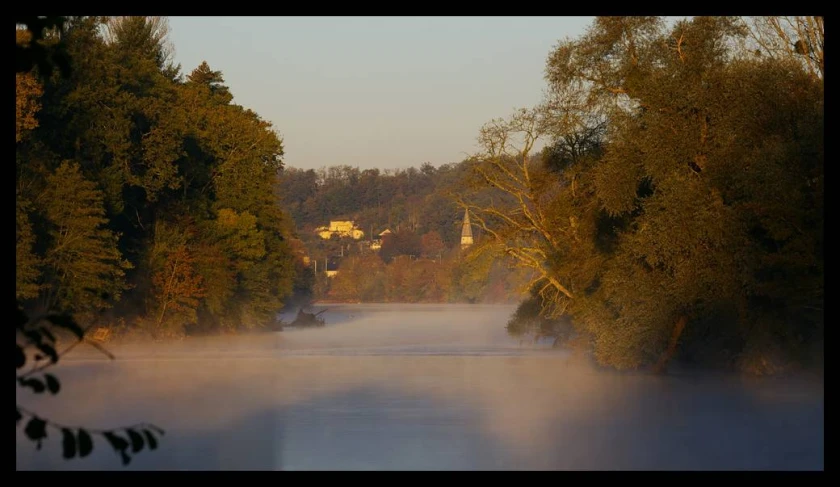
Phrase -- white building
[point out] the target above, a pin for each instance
(341, 228)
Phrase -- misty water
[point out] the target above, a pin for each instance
(419, 387)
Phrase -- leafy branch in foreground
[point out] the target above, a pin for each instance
(77, 442)
(36, 338)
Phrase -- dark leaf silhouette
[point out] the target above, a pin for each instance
(68, 323)
(126, 459)
(117, 442)
(33, 336)
(150, 439)
(47, 333)
(35, 384)
(136, 440)
(48, 351)
(68, 443)
(37, 54)
(52, 383)
(18, 416)
(36, 430)
(22, 319)
(20, 357)
(85, 443)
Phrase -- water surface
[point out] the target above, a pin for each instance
(409, 387)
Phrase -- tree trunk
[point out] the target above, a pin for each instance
(666, 357)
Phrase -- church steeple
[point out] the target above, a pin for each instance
(466, 231)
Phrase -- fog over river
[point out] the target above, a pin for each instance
(409, 387)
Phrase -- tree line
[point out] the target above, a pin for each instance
(420, 259)
(452, 277)
(415, 200)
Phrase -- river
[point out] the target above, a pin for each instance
(419, 387)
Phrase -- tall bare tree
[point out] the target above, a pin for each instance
(152, 29)
(513, 212)
(798, 37)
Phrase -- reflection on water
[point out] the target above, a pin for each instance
(421, 387)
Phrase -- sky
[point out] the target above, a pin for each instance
(384, 92)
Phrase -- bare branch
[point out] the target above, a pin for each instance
(520, 227)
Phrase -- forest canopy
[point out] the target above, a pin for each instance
(141, 193)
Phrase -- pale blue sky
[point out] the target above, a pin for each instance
(386, 92)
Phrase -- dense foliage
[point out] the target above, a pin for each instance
(143, 194)
(678, 210)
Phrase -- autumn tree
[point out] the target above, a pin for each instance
(692, 229)
(649, 218)
(28, 91)
(401, 242)
(360, 278)
(83, 268)
(426, 281)
(431, 244)
(213, 81)
(27, 263)
(164, 152)
(509, 195)
(171, 282)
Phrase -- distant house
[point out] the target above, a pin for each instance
(341, 228)
(376, 243)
